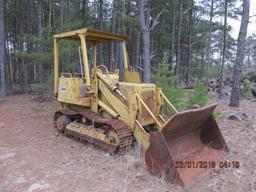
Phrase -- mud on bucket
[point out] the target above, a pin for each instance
(185, 140)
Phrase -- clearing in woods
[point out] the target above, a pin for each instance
(34, 158)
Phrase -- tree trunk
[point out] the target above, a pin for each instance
(138, 44)
(20, 29)
(123, 13)
(85, 6)
(146, 44)
(8, 69)
(68, 7)
(190, 44)
(50, 14)
(40, 35)
(113, 27)
(137, 49)
(29, 49)
(235, 94)
(62, 14)
(223, 49)
(8, 62)
(249, 60)
(219, 59)
(2, 45)
(177, 67)
(100, 26)
(208, 53)
(173, 36)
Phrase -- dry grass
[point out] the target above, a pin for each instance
(67, 165)
(241, 140)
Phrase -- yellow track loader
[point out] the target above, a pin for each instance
(113, 108)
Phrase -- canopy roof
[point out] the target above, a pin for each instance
(91, 35)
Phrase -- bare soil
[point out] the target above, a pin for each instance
(33, 157)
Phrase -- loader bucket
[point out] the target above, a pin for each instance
(189, 144)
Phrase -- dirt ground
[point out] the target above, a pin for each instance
(34, 158)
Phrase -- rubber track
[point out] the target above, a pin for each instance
(123, 132)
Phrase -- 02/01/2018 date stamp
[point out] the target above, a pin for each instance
(207, 164)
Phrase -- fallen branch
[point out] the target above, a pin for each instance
(5, 99)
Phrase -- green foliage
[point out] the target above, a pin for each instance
(181, 98)
(35, 57)
(252, 77)
(217, 114)
(40, 88)
(37, 107)
(164, 76)
(36, 51)
(199, 96)
(178, 97)
(213, 71)
(246, 89)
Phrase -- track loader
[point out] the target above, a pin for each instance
(112, 108)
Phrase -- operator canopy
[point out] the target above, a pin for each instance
(91, 35)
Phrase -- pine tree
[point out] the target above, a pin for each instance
(235, 94)
(2, 50)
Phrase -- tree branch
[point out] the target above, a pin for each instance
(252, 16)
(155, 21)
(152, 55)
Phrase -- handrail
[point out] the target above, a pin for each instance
(103, 66)
(67, 74)
(140, 126)
(131, 68)
(161, 117)
(167, 101)
(149, 111)
(81, 62)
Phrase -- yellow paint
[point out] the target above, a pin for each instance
(69, 91)
(56, 66)
(135, 103)
(125, 57)
(89, 131)
(85, 60)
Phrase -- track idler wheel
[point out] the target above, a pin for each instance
(61, 123)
